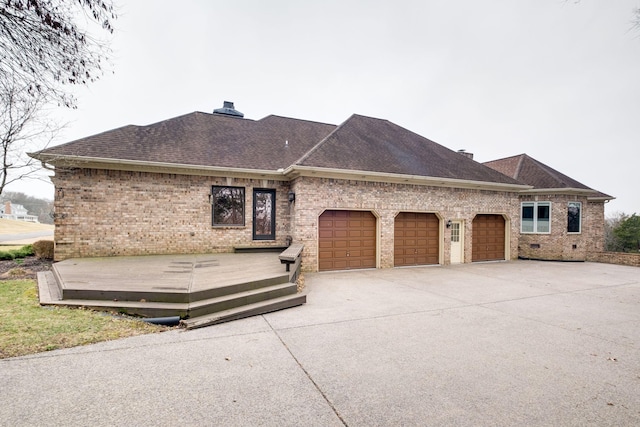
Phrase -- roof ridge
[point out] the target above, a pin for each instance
(564, 180)
(322, 141)
(293, 118)
(549, 170)
(519, 167)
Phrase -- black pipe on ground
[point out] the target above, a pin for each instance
(164, 321)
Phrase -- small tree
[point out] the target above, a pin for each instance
(23, 126)
(611, 242)
(628, 234)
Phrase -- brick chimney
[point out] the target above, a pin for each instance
(464, 153)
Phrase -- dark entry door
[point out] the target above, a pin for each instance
(264, 214)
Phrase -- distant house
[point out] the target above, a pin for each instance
(16, 212)
(364, 194)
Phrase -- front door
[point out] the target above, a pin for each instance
(264, 214)
(457, 245)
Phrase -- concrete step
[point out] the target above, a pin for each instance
(249, 310)
(255, 249)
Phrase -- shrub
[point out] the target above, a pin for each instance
(24, 251)
(43, 249)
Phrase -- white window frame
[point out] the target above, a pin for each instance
(579, 217)
(536, 224)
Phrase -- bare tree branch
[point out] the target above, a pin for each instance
(44, 48)
(24, 125)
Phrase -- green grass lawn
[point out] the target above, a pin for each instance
(28, 328)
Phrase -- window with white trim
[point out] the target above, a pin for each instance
(574, 217)
(535, 217)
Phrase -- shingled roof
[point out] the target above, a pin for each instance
(540, 176)
(202, 139)
(369, 144)
(275, 144)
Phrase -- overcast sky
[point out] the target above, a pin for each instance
(558, 80)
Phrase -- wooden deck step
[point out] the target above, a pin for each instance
(49, 296)
(255, 309)
(212, 305)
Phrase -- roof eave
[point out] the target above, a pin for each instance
(155, 167)
(568, 191)
(590, 194)
(318, 172)
(600, 198)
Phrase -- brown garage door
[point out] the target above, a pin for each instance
(347, 240)
(416, 239)
(488, 238)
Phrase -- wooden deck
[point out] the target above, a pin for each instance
(172, 285)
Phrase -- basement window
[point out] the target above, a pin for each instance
(574, 217)
(227, 206)
(536, 217)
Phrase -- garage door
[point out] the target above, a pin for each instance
(488, 238)
(347, 240)
(416, 239)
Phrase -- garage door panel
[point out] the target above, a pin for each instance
(338, 264)
(416, 239)
(488, 238)
(351, 237)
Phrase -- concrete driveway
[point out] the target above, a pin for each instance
(512, 343)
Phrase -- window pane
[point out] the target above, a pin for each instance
(455, 232)
(543, 217)
(228, 205)
(263, 213)
(527, 218)
(573, 217)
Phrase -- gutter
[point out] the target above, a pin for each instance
(145, 166)
(295, 171)
(287, 174)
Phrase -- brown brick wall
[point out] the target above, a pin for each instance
(620, 258)
(560, 245)
(385, 200)
(113, 213)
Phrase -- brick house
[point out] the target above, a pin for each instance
(561, 218)
(364, 194)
